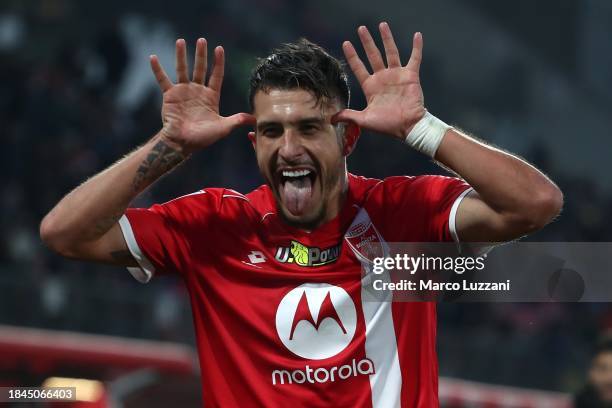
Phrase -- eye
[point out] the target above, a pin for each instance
(272, 131)
(309, 129)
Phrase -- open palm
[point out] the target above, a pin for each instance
(190, 109)
(393, 92)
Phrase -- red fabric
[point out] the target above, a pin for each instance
(236, 295)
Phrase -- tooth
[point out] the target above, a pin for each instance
(296, 173)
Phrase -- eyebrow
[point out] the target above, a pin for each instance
(304, 121)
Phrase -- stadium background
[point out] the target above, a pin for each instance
(76, 94)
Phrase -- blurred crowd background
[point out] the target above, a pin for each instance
(76, 94)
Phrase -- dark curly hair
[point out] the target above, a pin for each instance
(302, 65)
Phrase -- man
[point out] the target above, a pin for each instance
(275, 276)
(598, 391)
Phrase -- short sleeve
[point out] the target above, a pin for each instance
(424, 208)
(160, 237)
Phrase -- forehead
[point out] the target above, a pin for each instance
(289, 105)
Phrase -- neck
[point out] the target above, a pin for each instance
(337, 199)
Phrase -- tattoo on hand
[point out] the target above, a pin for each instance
(160, 159)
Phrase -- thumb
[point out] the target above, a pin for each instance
(239, 119)
(348, 115)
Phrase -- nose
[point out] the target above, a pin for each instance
(291, 148)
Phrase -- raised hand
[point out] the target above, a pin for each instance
(190, 110)
(393, 92)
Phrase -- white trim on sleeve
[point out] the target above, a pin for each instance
(476, 248)
(452, 218)
(145, 272)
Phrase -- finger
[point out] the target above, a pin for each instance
(357, 66)
(160, 75)
(201, 61)
(348, 115)
(216, 78)
(239, 119)
(393, 57)
(374, 57)
(181, 61)
(417, 53)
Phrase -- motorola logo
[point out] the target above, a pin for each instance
(316, 320)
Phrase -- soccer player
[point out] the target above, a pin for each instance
(275, 276)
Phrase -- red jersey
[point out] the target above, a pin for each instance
(281, 316)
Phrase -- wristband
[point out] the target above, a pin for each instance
(427, 134)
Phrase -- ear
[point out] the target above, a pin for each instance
(252, 138)
(351, 135)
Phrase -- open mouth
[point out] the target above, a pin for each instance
(296, 188)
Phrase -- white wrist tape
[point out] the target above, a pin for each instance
(427, 134)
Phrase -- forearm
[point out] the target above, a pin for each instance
(90, 210)
(512, 197)
(507, 184)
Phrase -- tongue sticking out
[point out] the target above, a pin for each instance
(296, 194)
